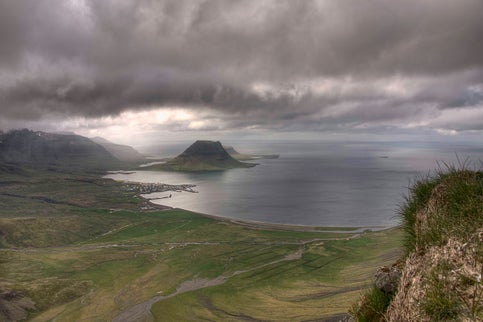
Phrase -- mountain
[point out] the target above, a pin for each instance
(40, 148)
(245, 157)
(203, 156)
(122, 152)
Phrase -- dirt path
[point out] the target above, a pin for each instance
(88, 247)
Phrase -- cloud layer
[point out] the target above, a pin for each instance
(281, 65)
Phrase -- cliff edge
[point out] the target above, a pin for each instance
(440, 276)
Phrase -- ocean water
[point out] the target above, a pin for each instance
(313, 183)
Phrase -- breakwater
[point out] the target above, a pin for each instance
(146, 188)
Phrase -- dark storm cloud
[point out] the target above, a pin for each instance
(272, 64)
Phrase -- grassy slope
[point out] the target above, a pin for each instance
(85, 250)
(320, 284)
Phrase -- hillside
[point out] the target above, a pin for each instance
(122, 152)
(203, 156)
(440, 277)
(27, 147)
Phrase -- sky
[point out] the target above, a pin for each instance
(166, 70)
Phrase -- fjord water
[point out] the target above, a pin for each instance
(318, 184)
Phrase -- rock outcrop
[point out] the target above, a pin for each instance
(443, 283)
(387, 278)
(14, 306)
(440, 277)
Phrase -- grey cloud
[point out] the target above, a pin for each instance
(97, 58)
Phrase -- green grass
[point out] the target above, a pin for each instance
(458, 200)
(416, 200)
(319, 284)
(441, 302)
(373, 306)
(86, 276)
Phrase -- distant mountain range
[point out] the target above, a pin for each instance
(36, 148)
(122, 152)
(39, 149)
(203, 156)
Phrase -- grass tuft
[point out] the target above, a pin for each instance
(456, 208)
(415, 201)
(372, 306)
(441, 303)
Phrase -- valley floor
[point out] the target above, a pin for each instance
(84, 249)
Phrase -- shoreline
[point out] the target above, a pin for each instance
(260, 225)
(139, 188)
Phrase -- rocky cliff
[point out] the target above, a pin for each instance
(440, 277)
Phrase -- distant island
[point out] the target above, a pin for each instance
(246, 157)
(202, 156)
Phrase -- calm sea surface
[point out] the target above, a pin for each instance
(320, 184)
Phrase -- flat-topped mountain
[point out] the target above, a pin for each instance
(122, 152)
(203, 156)
(41, 148)
(208, 149)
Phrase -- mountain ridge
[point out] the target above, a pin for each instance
(37, 148)
(122, 152)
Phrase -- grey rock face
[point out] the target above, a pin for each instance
(387, 278)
